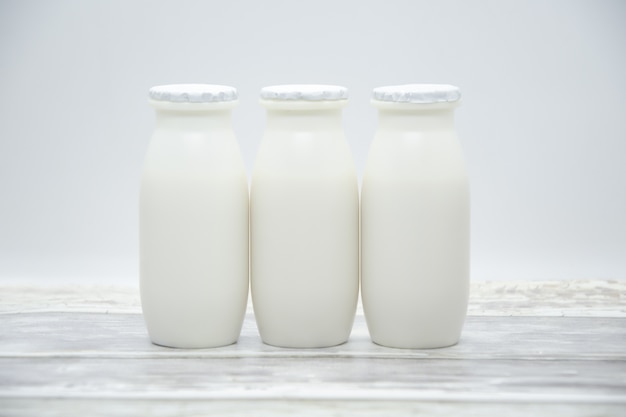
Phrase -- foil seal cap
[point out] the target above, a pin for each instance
(193, 93)
(417, 93)
(304, 92)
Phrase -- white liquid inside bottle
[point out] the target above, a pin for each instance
(415, 220)
(304, 220)
(193, 220)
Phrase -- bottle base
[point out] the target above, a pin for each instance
(417, 345)
(175, 345)
(303, 345)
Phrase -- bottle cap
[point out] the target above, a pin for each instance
(193, 93)
(305, 92)
(418, 93)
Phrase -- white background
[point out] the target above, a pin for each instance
(543, 124)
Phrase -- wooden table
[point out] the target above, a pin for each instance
(528, 349)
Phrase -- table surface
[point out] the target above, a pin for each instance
(528, 348)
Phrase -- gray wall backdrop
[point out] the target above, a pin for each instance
(543, 124)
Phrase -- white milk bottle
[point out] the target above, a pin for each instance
(415, 220)
(304, 212)
(193, 220)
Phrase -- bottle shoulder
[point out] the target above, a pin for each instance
(416, 156)
(303, 152)
(199, 152)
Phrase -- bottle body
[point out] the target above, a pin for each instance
(415, 229)
(194, 229)
(304, 229)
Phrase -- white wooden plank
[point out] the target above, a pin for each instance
(595, 298)
(97, 335)
(305, 408)
(75, 298)
(316, 379)
(552, 348)
(571, 298)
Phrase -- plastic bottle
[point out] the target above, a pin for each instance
(304, 220)
(415, 220)
(193, 220)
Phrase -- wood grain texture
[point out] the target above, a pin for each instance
(285, 407)
(512, 298)
(527, 349)
(124, 336)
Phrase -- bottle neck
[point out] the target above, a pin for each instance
(184, 120)
(416, 120)
(415, 116)
(193, 117)
(304, 120)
